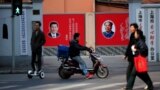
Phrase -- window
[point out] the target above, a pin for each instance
(5, 1)
(10, 1)
(5, 31)
(36, 12)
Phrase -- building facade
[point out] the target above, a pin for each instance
(34, 10)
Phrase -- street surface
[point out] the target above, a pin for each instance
(76, 82)
(115, 80)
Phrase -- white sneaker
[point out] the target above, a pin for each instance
(146, 87)
(124, 88)
(35, 73)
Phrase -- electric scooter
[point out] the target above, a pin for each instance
(39, 74)
(70, 67)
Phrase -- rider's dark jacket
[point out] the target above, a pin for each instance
(75, 48)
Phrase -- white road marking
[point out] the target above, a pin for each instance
(105, 86)
(69, 86)
(155, 83)
(3, 82)
(39, 87)
(7, 87)
(142, 86)
(93, 86)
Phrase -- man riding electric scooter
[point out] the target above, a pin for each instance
(37, 41)
(74, 53)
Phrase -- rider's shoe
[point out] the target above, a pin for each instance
(34, 72)
(89, 76)
(124, 88)
(146, 87)
(39, 71)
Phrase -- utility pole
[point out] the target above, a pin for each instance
(16, 10)
(13, 43)
(13, 46)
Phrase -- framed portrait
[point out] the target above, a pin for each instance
(108, 29)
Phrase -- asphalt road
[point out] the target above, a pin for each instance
(77, 82)
(115, 81)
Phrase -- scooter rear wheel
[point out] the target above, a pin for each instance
(29, 76)
(62, 73)
(41, 75)
(102, 72)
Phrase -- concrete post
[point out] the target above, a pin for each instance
(90, 29)
(133, 5)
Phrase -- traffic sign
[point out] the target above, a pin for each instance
(17, 7)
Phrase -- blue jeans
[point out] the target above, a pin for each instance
(82, 64)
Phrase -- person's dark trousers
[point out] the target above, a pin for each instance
(36, 60)
(144, 76)
(129, 68)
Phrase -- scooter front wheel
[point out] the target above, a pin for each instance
(29, 74)
(63, 73)
(102, 72)
(41, 75)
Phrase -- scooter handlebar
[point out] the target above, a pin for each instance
(91, 50)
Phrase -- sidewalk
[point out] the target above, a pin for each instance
(115, 64)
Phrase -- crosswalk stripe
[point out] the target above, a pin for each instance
(86, 86)
(105, 86)
(70, 86)
(7, 87)
(141, 86)
(155, 83)
(3, 82)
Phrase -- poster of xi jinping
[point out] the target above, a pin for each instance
(59, 28)
(112, 29)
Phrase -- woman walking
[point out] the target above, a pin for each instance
(139, 48)
(128, 55)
